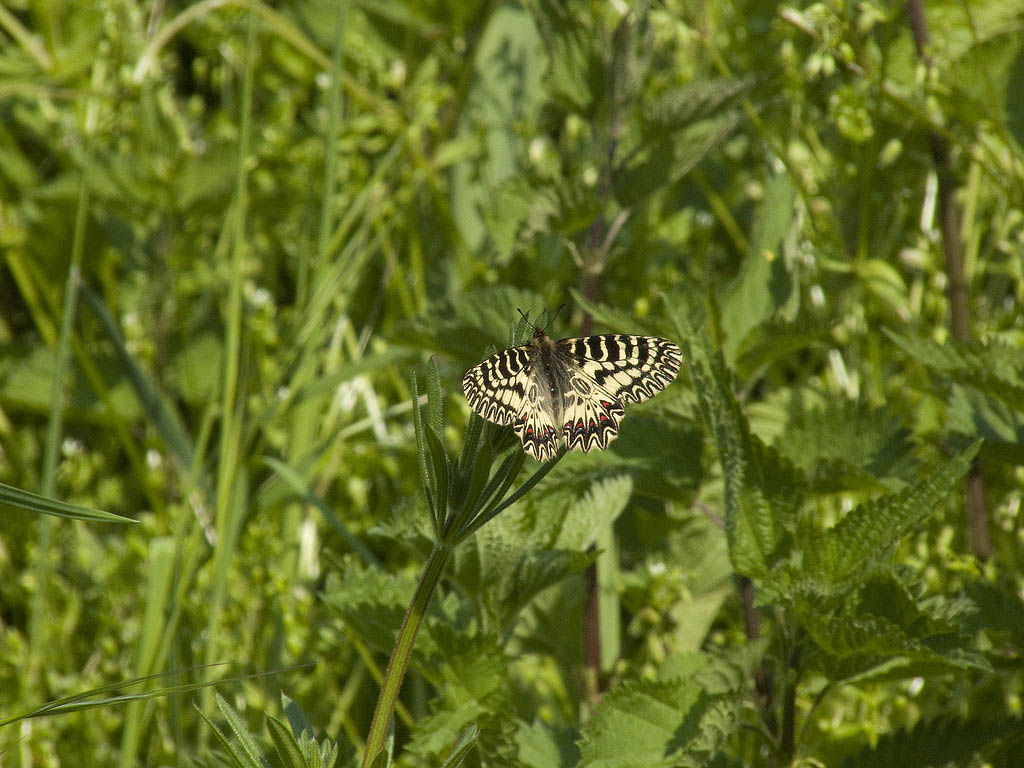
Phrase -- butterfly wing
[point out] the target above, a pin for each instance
(535, 426)
(630, 368)
(590, 413)
(504, 389)
(497, 387)
(581, 383)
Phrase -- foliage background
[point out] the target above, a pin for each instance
(228, 233)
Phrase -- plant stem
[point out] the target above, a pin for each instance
(402, 652)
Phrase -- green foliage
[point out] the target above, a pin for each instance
(228, 231)
(671, 723)
(294, 744)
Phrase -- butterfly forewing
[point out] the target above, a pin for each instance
(573, 388)
(632, 368)
(496, 389)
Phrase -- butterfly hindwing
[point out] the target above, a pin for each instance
(632, 368)
(535, 424)
(590, 414)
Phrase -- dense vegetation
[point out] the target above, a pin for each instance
(249, 251)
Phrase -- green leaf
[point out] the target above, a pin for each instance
(763, 491)
(370, 601)
(424, 459)
(595, 511)
(437, 732)
(435, 402)
(158, 408)
(535, 571)
(846, 445)
(938, 743)
(503, 93)
(646, 724)
(764, 284)
(441, 472)
(297, 719)
(288, 751)
(996, 369)
(467, 740)
(16, 498)
(864, 539)
(541, 745)
(249, 748)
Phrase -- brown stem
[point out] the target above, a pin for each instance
(787, 742)
(762, 675)
(959, 309)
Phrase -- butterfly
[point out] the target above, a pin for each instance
(572, 388)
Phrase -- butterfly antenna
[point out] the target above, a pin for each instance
(557, 311)
(525, 317)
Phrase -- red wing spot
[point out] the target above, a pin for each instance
(603, 417)
(529, 430)
(592, 424)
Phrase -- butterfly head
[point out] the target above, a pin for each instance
(538, 332)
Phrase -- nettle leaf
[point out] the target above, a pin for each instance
(863, 541)
(465, 326)
(692, 101)
(437, 733)
(997, 370)
(884, 619)
(599, 508)
(763, 490)
(371, 602)
(535, 571)
(530, 547)
(973, 413)
(996, 610)
(764, 283)
(472, 685)
(542, 745)
(842, 441)
(939, 742)
(648, 724)
(777, 339)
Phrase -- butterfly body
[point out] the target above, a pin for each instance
(571, 389)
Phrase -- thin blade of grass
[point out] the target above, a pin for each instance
(33, 502)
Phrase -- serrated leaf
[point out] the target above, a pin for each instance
(370, 601)
(763, 491)
(996, 370)
(680, 105)
(438, 732)
(657, 164)
(542, 745)
(237, 757)
(841, 437)
(647, 724)
(763, 284)
(247, 750)
(288, 751)
(865, 538)
(599, 508)
(467, 740)
(635, 722)
(937, 743)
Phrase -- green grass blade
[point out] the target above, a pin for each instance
(161, 573)
(158, 409)
(33, 502)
